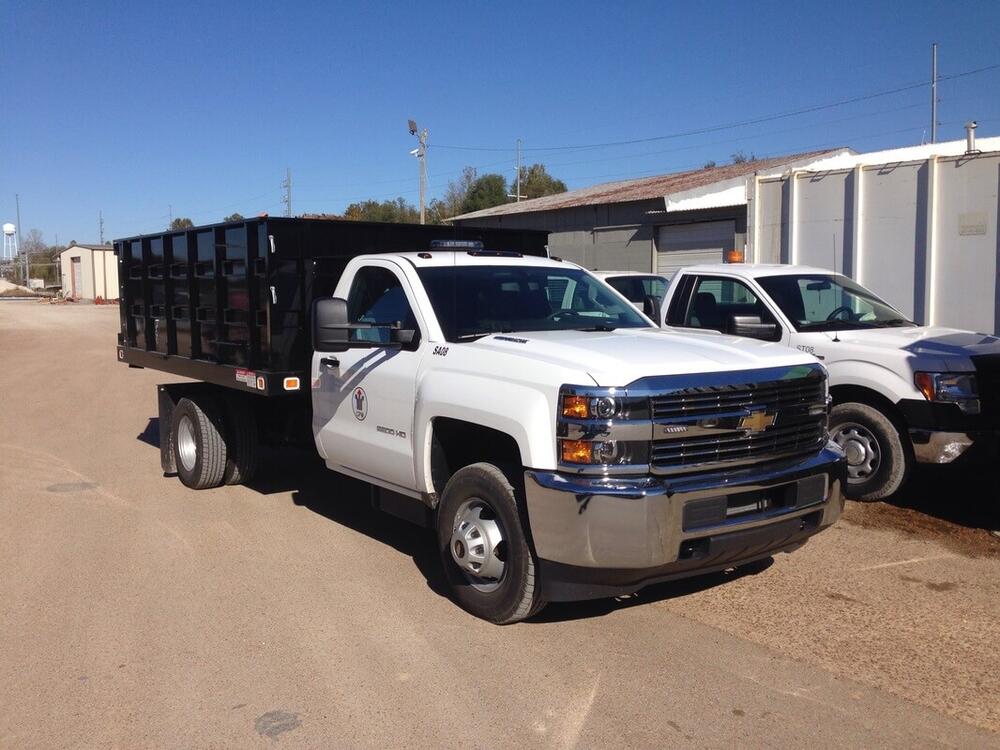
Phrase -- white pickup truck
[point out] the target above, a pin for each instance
(562, 446)
(901, 392)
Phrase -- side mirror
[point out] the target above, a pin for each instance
(651, 307)
(751, 327)
(403, 336)
(330, 328)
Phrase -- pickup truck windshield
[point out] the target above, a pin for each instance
(828, 302)
(474, 301)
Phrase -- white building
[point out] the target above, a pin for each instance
(89, 272)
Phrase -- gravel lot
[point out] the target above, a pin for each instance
(136, 613)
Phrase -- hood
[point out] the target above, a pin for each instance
(616, 358)
(924, 341)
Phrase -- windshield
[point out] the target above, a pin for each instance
(829, 302)
(474, 301)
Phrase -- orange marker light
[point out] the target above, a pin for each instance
(577, 451)
(291, 384)
(577, 407)
(925, 382)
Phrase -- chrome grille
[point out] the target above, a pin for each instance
(711, 400)
(704, 426)
(738, 447)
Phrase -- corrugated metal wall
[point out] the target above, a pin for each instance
(921, 234)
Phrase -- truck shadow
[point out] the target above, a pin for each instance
(347, 501)
(963, 495)
(566, 611)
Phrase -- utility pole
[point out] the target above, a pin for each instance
(100, 223)
(934, 80)
(421, 153)
(170, 212)
(517, 166)
(17, 203)
(287, 185)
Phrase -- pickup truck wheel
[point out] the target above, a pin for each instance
(241, 442)
(877, 457)
(484, 549)
(196, 431)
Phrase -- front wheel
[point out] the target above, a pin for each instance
(878, 458)
(484, 549)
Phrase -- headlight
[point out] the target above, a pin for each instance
(604, 452)
(590, 407)
(950, 387)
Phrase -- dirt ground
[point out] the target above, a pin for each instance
(136, 613)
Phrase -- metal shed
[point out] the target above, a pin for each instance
(649, 224)
(89, 272)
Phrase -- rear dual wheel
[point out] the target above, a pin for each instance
(214, 441)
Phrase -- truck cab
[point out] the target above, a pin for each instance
(563, 446)
(902, 392)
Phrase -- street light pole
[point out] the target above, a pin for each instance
(421, 153)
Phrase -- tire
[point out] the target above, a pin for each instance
(878, 457)
(241, 442)
(478, 503)
(197, 442)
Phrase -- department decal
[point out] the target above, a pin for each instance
(359, 400)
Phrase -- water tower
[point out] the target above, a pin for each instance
(9, 242)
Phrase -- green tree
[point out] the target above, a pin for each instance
(181, 223)
(536, 182)
(709, 165)
(456, 193)
(234, 217)
(487, 191)
(741, 158)
(394, 211)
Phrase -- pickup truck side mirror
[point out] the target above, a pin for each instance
(330, 331)
(651, 308)
(752, 327)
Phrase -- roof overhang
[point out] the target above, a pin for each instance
(734, 191)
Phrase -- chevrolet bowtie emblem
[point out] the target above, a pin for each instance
(756, 421)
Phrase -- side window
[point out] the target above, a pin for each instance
(377, 297)
(653, 287)
(716, 301)
(680, 301)
(629, 287)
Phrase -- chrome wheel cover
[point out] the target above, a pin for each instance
(861, 446)
(187, 444)
(478, 545)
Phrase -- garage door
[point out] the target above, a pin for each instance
(688, 244)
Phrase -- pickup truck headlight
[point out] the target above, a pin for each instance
(590, 407)
(958, 388)
(603, 452)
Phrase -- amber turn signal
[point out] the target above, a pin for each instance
(925, 382)
(577, 407)
(577, 452)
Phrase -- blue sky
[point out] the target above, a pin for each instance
(134, 108)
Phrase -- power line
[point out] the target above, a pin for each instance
(739, 124)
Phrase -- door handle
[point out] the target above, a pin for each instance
(331, 362)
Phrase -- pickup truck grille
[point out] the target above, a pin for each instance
(714, 426)
(713, 400)
(734, 448)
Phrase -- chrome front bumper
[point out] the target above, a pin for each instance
(645, 522)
